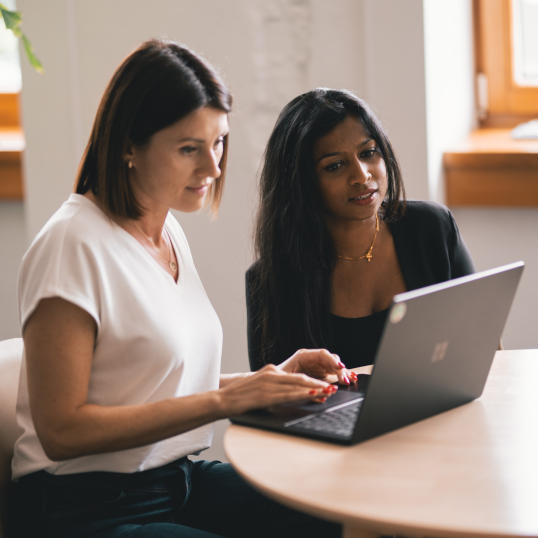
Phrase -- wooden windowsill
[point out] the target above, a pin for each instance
(11, 147)
(490, 168)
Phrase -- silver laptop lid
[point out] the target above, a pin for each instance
(437, 348)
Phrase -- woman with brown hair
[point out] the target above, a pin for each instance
(121, 375)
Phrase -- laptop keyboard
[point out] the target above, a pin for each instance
(341, 421)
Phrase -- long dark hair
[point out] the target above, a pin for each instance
(155, 86)
(291, 281)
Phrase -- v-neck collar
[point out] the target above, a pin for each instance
(180, 284)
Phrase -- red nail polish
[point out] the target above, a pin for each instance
(341, 364)
(323, 400)
(312, 392)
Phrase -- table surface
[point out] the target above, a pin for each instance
(470, 471)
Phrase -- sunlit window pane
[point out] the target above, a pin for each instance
(525, 32)
(10, 69)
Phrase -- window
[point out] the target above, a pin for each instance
(10, 69)
(506, 44)
(11, 135)
(479, 170)
(525, 41)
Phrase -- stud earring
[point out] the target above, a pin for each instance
(130, 164)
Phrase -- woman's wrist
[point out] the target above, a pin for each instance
(228, 379)
(230, 400)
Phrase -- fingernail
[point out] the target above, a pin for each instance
(346, 379)
(341, 364)
(323, 400)
(312, 392)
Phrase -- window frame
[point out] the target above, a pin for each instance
(508, 103)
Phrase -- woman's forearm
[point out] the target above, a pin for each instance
(94, 429)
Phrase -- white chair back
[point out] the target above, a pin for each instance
(10, 365)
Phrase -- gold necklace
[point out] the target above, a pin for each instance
(368, 255)
(172, 264)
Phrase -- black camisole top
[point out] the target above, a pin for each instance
(356, 339)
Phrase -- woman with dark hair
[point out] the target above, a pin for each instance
(335, 237)
(120, 380)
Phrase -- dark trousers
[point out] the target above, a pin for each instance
(183, 499)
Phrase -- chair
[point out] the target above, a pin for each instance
(10, 363)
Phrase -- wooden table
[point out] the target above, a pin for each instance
(472, 471)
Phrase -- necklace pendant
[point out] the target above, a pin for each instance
(173, 265)
(368, 255)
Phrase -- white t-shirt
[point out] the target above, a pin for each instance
(155, 339)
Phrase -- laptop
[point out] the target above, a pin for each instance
(435, 354)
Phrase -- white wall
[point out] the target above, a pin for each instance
(394, 79)
(450, 106)
(499, 236)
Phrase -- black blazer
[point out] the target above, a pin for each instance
(429, 248)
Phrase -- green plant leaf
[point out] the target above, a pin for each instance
(34, 62)
(17, 32)
(12, 19)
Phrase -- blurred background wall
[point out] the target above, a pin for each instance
(411, 59)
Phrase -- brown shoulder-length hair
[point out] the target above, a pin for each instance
(155, 86)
